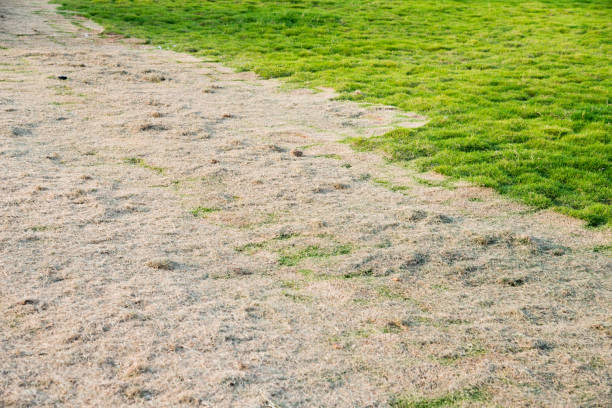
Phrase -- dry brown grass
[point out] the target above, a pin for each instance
(314, 282)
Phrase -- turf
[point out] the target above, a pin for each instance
(518, 93)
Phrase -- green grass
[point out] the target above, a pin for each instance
(331, 156)
(604, 249)
(294, 257)
(202, 211)
(449, 400)
(389, 185)
(517, 92)
(137, 161)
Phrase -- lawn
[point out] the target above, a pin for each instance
(518, 92)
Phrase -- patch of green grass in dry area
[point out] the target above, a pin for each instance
(348, 339)
(330, 156)
(311, 276)
(290, 257)
(452, 399)
(202, 211)
(388, 293)
(385, 243)
(137, 161)
(448, 183)
(251, 247)
(605, 249)
(517, 93)
(284, 235)
(389, 185)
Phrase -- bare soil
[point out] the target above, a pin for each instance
(175, 233)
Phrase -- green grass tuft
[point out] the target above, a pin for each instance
(449, 400)
(604, 249)
(202, 211)
(331, 156)
(137, 161)
(517, 93)
(389, 185)
(293, 258)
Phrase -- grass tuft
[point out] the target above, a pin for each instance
(449, 400)
(137, 161)
(389, 185)
(202, 211)
(293, 258)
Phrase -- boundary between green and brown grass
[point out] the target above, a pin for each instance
(518, 93)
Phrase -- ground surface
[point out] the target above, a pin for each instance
(160, 244)
(517, 92)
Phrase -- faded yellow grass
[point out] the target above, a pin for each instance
(242, 274)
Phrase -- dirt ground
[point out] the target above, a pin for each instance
(162, 243)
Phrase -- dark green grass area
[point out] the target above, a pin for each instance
(518, 92)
